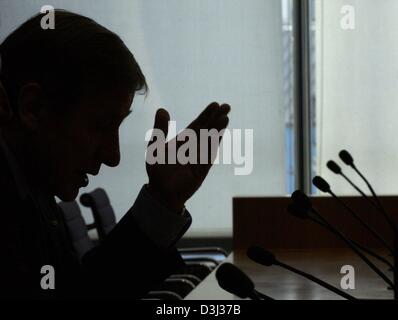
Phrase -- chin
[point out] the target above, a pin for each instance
(68, 195)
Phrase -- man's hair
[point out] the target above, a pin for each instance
(77, 58)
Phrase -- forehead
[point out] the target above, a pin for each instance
(114, 103)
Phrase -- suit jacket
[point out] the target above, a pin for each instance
(126, 265)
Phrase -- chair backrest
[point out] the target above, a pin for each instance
(102, 210)
(180, 286)
(76, 227)
(216, 254)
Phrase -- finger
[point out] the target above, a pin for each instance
(162, 119)
(214, 117)
(220, 113)
(221, 123)
(218, 121)
(204, 116)
(214, 143)
(209, 110)
(207, 152)
(224, 109)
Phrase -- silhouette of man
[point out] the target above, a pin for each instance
(63, 96)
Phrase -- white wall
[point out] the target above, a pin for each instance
(192, 53)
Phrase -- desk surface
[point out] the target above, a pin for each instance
(283, 285)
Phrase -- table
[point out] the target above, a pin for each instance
(283, 285)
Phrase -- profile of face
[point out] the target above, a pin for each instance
(67, 147)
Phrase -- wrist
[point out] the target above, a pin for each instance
(165, 200)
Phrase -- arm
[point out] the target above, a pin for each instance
(139, 252)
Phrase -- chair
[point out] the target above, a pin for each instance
(104, 216)
(76, 227)
(200, 270)
(182, 287)
(213, 254)
(162, 295)
(190, 277)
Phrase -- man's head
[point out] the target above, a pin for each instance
(68, 90)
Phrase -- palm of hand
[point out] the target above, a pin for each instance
(174, 183)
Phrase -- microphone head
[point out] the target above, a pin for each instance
(234, 280)
(261, 256)
(334, 167)
(346, 157)
(321, 184)
(298, 211)
(301, 199)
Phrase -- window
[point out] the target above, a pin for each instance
(356, 96)
(245, 53)
(193, 53)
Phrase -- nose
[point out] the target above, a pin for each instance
(111, 151)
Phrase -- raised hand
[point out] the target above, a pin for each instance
(173, 184)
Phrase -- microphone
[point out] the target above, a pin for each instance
(301, 198)
(346, 157)
(334, 167)
(299, 211)
(266, 258)
(235, 281)
(348, 160)
(305, 213)
(322, 185)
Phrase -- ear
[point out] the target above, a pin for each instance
(5, 110)
(30, 105)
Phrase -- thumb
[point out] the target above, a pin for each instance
(162, 119)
